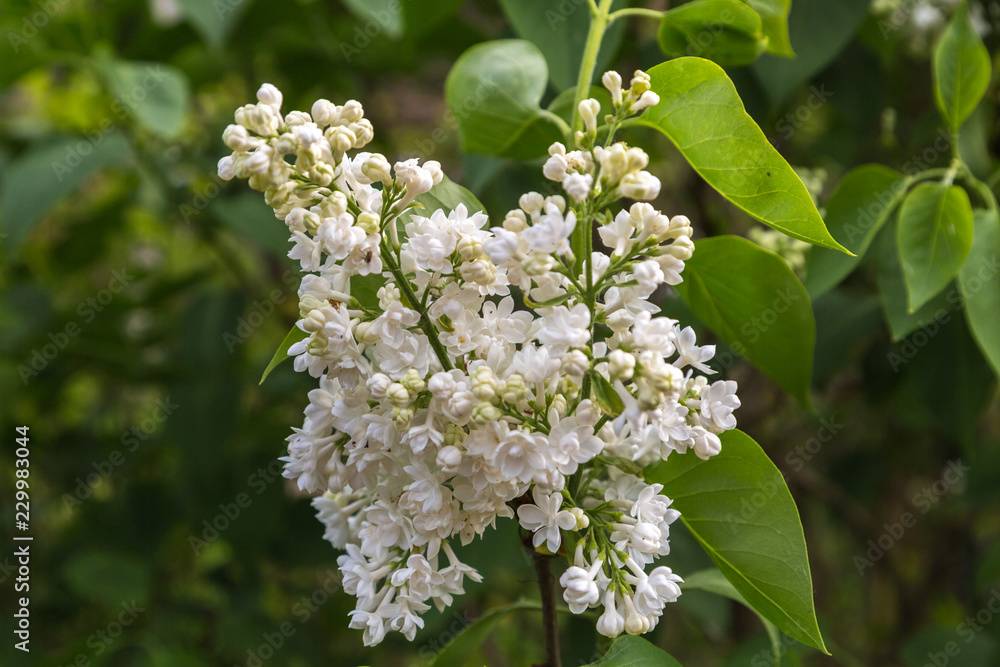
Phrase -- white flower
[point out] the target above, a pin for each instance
(618, 234)
(550, 234)
(339, 236)
(520, 454)
(611, 623)
(689, 353)
(563, 326)
(581, 590)
(649, 275)
(718, 401)
(390, 324)
(545, 519)
(652, 592)
(578, 186)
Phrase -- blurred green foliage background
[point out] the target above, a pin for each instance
(141, 297)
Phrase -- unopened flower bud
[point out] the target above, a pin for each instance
(378, 385)
(269, 95)
(515, 221)
(369, 222)
(589, 109)
(531, 203)
(613, 82)
(514, 389)
(397, 394)
(453, 435)
(227, 168)
(324, 113)
(621, 365)
(485, 412)
(307, 303)
(413, 382)
(237, 138)
(470, 247)
(480, 271)
(575, 363)
(352, 111)
(314, 321)
(537, 264)
(582, 520)
(401, 416)
(640, 83)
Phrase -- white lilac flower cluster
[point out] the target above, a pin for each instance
(501, 371)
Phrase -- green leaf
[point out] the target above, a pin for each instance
(365, 289)
(819, 30)
(294, 336)
(214, 21)
(738, 507)
(752, 300)
(606, 396)
(934, 238)
(892, 288)
(559, 29)
(703, 116)
(714, 581)
(635, 652)
(42, 175)
(980, 284)
(774, 19)
(494, 91)
(155, 94)
(386, 14)
(961, 69)
(463, 648)
(855, 212)
(727, 32)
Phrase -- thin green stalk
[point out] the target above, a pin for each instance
(636, 11)
(433, 336)
(598, 24)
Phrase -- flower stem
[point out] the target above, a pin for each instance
(433, 335)
(598, 24)
(550, 618)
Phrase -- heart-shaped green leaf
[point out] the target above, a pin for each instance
(494, 91)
